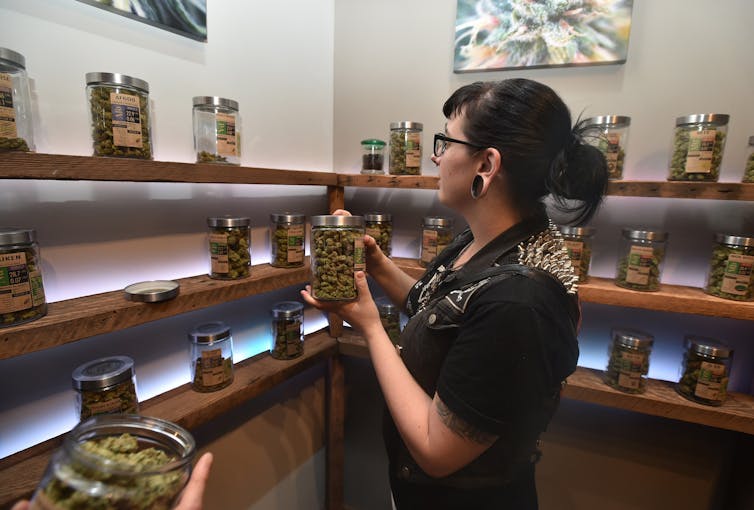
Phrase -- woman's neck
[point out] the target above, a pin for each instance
(486, 223)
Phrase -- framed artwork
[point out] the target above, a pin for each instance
(516, 34)
(184, 17)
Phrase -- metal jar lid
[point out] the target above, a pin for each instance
(719, 119)
(437, 221)
(116, 79)
(407, 124)
(102, 373)
(387, 308)
(633, 338)
(215, 101)
(645, 235)
(286, 309)
(747, 242)
(708, 347)
(332, 220)
(577, 231)
(228, 221)
(619, 121)
(13, 57)
(378, 216)
(287, 217)
(17, 235)
(209, 333)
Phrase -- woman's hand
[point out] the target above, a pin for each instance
(193, 494)
(361, 313)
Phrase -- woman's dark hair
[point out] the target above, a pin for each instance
(542, 155)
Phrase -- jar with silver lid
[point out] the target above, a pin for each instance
(287, 239)
(20, 277)
(705, 371)
(390, 318)
(120, 115)
(105, 386)
(337, 252)
(287, 330)
(698, 145)
(16, 130)
(229, 247)
(731, 271)
(578, 242)
(628, 364)
(642, 254)
(749, 168)
(405, 148)
(437, 233)
(217, 136)
(211, 356)
(609, 133)
(380, 227)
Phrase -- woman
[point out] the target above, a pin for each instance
(492, 329)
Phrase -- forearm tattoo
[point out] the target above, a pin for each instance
(460, 427)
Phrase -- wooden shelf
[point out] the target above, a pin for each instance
(21, 472)
(676, 189)
(388, 181)
(670, 298)
(660, 399)
(75, 319)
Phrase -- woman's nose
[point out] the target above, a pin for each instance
(435, 160)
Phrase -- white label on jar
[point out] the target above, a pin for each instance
(575, 250)
(413, 150)
(359, 257)
(105, 407)
(226, 134)
(15, 284)
(710, 384)
(631, 368)
(7, 112)
(126, 120)
(640, 263)
(429, 245)
(213, 369)
(737, 276)
(295, 244)
(699, 155)
(610, 146)
(218, 249)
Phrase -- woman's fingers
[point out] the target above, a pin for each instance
(193, 494)
(341, 212)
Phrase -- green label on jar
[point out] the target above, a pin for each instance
(701, 149)
(15, 288)
(712, 383)
(640, 262)
(737, 276)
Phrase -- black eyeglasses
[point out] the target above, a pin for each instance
(441, 143)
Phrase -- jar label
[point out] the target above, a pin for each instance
(737, 276)
(699, 155)
(37, 290)
(110, 406)
(218, 249)
(429, 245)
(575, 250)
(413, 150)
(226, 134)
(15, 283)
(631, 369)
(640, 263)
(712, 383)
(7, 112)
(359, 257)
(213, 370)
(293, 338)
(295, 244)
(126, 120)
(610, 147)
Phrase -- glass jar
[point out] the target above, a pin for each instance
(609, 133)
(731, 271)
(16, 130)
(20, 277)
(405, 148)
(105, 386)
(211, 356)
(578, 242)
(120, 115)
(217, 137)
(628, 364)
(372, 156)
(380, 227)
(641, 260)
(229, 247)
(749, 169)
(437, 233)
(287, 330)
(337, 252)
(128, 462)
(705, 371)
(287, 239)
(391, 319)
(698, 145)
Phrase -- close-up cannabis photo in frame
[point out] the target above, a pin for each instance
(515, 34)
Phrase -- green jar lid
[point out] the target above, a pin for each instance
(373, 142)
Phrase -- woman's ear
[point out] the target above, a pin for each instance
(490, 167)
